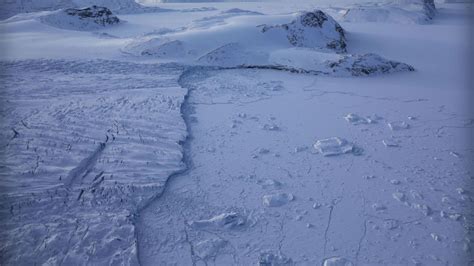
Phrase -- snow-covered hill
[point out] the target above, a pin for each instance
(11, 8)
(310, 42)
(90, 18)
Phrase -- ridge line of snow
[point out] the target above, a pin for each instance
(186, 159)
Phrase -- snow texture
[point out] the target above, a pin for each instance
(82, 155)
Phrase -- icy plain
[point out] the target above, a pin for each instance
(213, 133)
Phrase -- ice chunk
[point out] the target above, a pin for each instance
(300, 148)
(435, 237)
(416, 195)
(398, 125)
(391, 224)
(395, 182)
(337, 261)
(425, 209)
(277, 200)
(271, 127)
(333, 146)
(209, 248)
(455, 154)
(270, 259)
(455, 216)
(390, 143)
(357, 120)
(222, 221)
(270, 183)
(378, 207)
(400, 196)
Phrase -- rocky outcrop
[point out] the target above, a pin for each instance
(96, 14)
(83, 19)
(313, 29)
(430, 8)
(368, 64)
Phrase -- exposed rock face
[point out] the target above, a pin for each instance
(429, 8)
(83, 19)
(313, 30)
(99, 15)
(368, 64)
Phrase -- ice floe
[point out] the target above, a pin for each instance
(277, 200)
(334, 146)
(356, 119)
(390, 143)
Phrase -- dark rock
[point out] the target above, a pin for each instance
(99, 15)
(430, 8)
(368, 64)
(313, 30)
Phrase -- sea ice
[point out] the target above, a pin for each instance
(271, 127)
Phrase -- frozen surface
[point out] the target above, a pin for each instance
(83, 148)
(237, 134)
